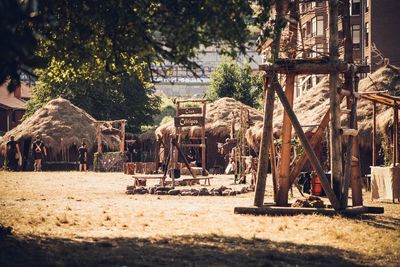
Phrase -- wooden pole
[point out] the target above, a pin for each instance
(374, 134)
(272, 158)
(306, 145)
(395, 133)
(203, 142)
(122, 137)
(349, 155)
(98, 137)
(351, 103)
(356, 187)
(284, 169)
(334, 100)
(269, 99)
(266, 138)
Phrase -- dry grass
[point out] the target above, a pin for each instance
(70, 218)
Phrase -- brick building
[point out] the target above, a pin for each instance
(12, 106)
(374, 27)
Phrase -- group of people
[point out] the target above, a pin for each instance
(39, 152)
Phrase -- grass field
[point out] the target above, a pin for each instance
(86, 219)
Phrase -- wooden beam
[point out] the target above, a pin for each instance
(395, 134)
(266, 138)
(307, 147)
(374, 134)
(284, 169)
(269, 99)
(289, 211)
(334, 101)
(297, 67)
(272, 158)
(203, 142)
(356, 187)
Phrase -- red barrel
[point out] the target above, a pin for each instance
(316, 186)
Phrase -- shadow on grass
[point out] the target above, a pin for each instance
(382, 222)
(210, 250)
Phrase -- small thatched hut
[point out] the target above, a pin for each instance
(62, 126)
(219, 118)
(313, 104)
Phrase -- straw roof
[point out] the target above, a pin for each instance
(219, 119)
(60, 123)
(313, 104)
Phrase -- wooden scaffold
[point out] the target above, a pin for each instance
(344, 175)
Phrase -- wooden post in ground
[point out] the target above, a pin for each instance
(98, 138)
(262, 168)
(122, 137)
(334, 101)
(374, 134)
(203, 142)
(395, 133)
(356, 187)
(272, 158)
(351, 102)
(266, 137)
(284, 169)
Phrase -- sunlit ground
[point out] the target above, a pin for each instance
(76, 219)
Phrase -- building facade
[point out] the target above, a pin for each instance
(374, 28)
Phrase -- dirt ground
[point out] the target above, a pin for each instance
(86, 219)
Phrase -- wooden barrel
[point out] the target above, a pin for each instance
(129, 168)
(316, 186)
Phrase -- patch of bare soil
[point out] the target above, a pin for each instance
(86, 219)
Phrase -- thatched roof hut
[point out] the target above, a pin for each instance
(313, 104)
(60, 124)
(219, 119)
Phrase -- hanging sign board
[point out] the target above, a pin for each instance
(189, 111)
(189, 121)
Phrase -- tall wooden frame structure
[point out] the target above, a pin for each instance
(342, 176)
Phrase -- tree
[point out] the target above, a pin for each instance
(114, 37)
(229, 80)
(100, 93)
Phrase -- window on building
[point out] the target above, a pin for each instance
(355, 33)
(320, 3)
(308, 28)
(367, 6)
(320, 25)
(366, 34)
(355, 7)
(314, 26)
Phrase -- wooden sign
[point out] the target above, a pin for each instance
(189, 111)
(189, 121)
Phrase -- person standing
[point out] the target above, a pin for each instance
(82, 157)
(39, 152)
(13, 154)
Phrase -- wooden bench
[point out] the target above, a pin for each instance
(139, 178)
(191, 181)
